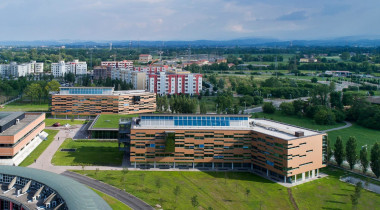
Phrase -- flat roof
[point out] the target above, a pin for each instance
(21, 125)
(5, 117)
(75, 194)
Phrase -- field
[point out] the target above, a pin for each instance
(364, 136)
(26, 106)
(298, 121)
(111, 120)
(211, 105)
(113, 202)
(88, 152)
(50, 122)
(40, 148)
(227, 190)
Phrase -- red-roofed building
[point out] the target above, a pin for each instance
(145, 58)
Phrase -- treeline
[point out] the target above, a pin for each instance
(86, 81)
(177, 104)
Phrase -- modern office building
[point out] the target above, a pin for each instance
(27, 188)
(284, 152)
(101, 100)
(61, 68)
(20, 134)
(118, 64)
(165, 83)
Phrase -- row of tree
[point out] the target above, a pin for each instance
(350, 155)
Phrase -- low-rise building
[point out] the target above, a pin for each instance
(118, 64)
(285, 152)
(101, 100)
(145, 58)
(20, 134)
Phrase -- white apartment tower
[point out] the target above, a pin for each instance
(61, 68)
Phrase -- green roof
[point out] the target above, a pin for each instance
(109, 121)
(75, 194)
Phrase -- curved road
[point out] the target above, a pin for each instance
(121, 195)
(348, 124)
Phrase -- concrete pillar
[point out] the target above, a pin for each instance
(232, 166)
(174, 165)
(284, 179)
(213, 165)
(135, 164)
(295, 178)
(303, 176)
(309, 175)
(154, 164)
(317, 171)
(267, 172)
(313, 173)
(193, 165)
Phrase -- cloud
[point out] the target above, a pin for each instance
(294, 16)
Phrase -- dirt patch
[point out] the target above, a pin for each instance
(292, 199)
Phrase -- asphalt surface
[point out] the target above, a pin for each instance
(121, 195)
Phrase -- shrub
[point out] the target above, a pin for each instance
(269, 108)
(287, 108)
(324, 117)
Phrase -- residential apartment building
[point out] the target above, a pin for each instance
(61, 68)
(152, 69)
(284, 152)
(164, 83)
(145, 58)
(102, 72)
(118, 64)
(101, 100)
(21, 70)
(20, 134)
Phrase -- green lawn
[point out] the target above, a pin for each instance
(88, 152)
(363, 135)
(331, 193)
(26, 106)
(295, 120)
(113, 202)
(50, 122)
(226, 190)
(40, 148)
(111, 120)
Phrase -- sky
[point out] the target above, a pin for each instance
(27, 20)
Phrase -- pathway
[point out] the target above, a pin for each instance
(121, 195)
(348, 124)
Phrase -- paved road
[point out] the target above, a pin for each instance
(121, 195)
(348, 124)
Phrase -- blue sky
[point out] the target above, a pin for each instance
(187, 19)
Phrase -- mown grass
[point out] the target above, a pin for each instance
(113, 202)
(296, 120)
(50, 122)
(364, 136)
(88, 152)
(26, 106)
(40, 148)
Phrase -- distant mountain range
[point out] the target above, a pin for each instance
(359, 41)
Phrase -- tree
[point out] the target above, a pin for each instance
(158, 184)
(247, 192)
(221, 84)
(202, 108)
(124, 171)
(375, 159)
(351, 155)
(268, 107)
(176, 192)
(336, 100)
(324, 117)
(314, 80)
(194, 201)
(33, 90)
(355, 197)
(339, 151)
(364, 159)
(345, 56)
(287, 108)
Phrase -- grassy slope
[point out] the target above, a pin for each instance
(50, 122)
(111, 120)
(88, 153)
(214, 191)
(40, 148)
(113, 202)
(363, 135)
(211, 188)
(330, 193)
(26, 106)
(298, 121)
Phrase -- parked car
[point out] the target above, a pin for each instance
(57, 124)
